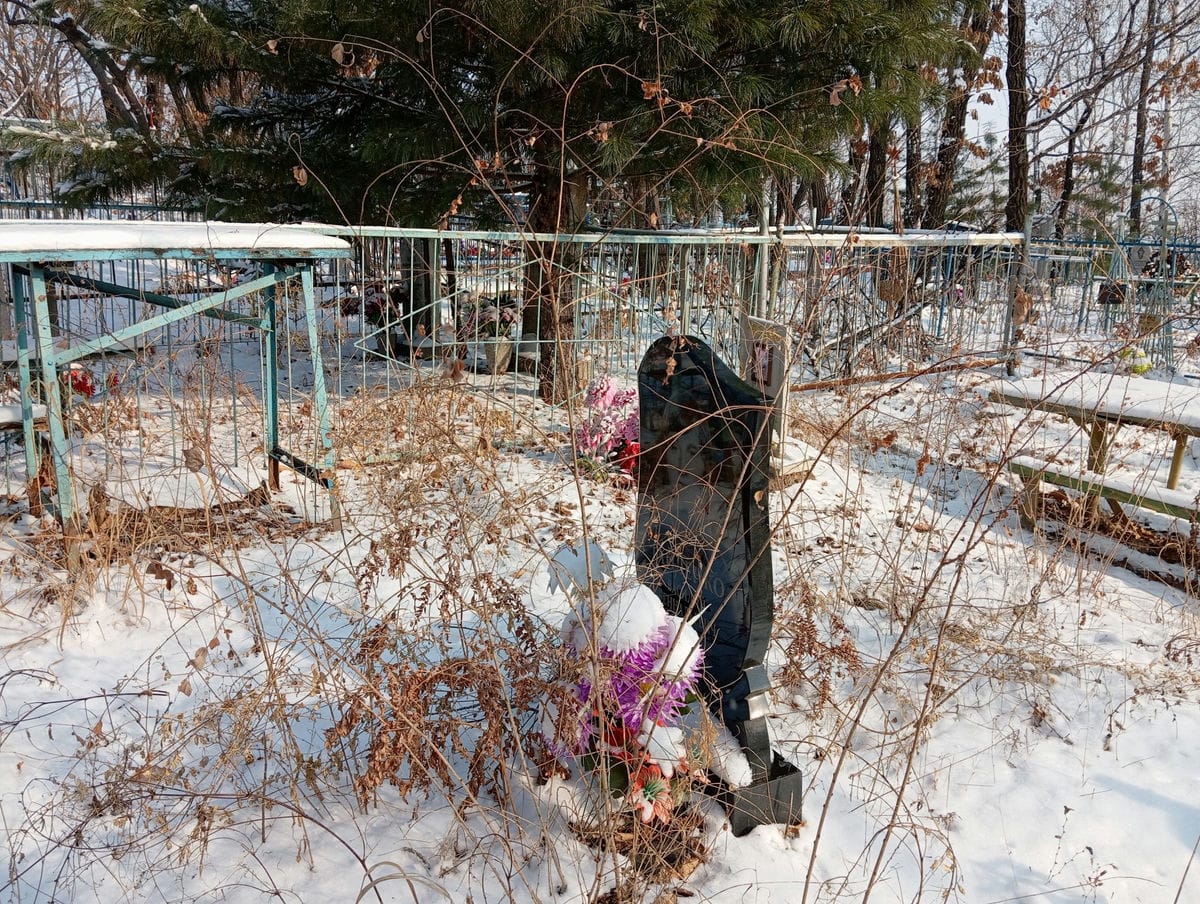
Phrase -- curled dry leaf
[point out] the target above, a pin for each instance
(300, 174)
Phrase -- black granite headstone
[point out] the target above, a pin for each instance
(703, 544)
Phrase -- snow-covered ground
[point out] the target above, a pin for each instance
(981, 714)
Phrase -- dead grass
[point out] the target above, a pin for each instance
(421, 684)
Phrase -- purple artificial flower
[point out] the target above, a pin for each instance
(647, 661)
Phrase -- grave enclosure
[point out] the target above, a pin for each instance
(380, 313)
(127, 298)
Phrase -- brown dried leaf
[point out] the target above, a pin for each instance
(193, 459)
(157, 570)
(150, 774)
(199, 658)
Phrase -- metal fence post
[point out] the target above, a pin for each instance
(25, 376)
(270, 352)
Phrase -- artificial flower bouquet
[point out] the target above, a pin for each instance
(638, 668)
(489, 318)
(610, 431)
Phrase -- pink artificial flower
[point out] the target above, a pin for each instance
(611, 426)
(601, 393)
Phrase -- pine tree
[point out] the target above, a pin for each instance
(390, 112)
(980, 189)
(403, 113)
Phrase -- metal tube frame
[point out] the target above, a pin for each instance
(51, 359)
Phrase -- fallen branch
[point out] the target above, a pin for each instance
(972, 364)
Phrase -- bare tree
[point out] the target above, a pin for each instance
(1142, 116)
(41, 77)
(1017, 206)
(1095, 73)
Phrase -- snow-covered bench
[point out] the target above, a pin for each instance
(1102, 403)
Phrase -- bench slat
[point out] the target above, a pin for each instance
(1159, 499)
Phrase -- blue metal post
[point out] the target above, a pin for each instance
(270, 350)
(32, 460)
(320, 395)
(54, 400)
(947, 289)
(1085, 297)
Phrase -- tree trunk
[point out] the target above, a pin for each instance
(876, 189)
(913, 181)
(1142, 120)
(855, 158)
(121, 103)
(815, 193)
(643, 203)
(183, 111)
(977, 29)
(1016, 208)
(557, 204)
(1068, 186)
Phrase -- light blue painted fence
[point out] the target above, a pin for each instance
(418, 309)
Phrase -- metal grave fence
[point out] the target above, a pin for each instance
(146, 363)
(410, 313)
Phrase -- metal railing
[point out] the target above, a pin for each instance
(491, 311)
(1119, 298)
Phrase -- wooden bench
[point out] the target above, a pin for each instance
(1035, 471)
(1102, 403)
